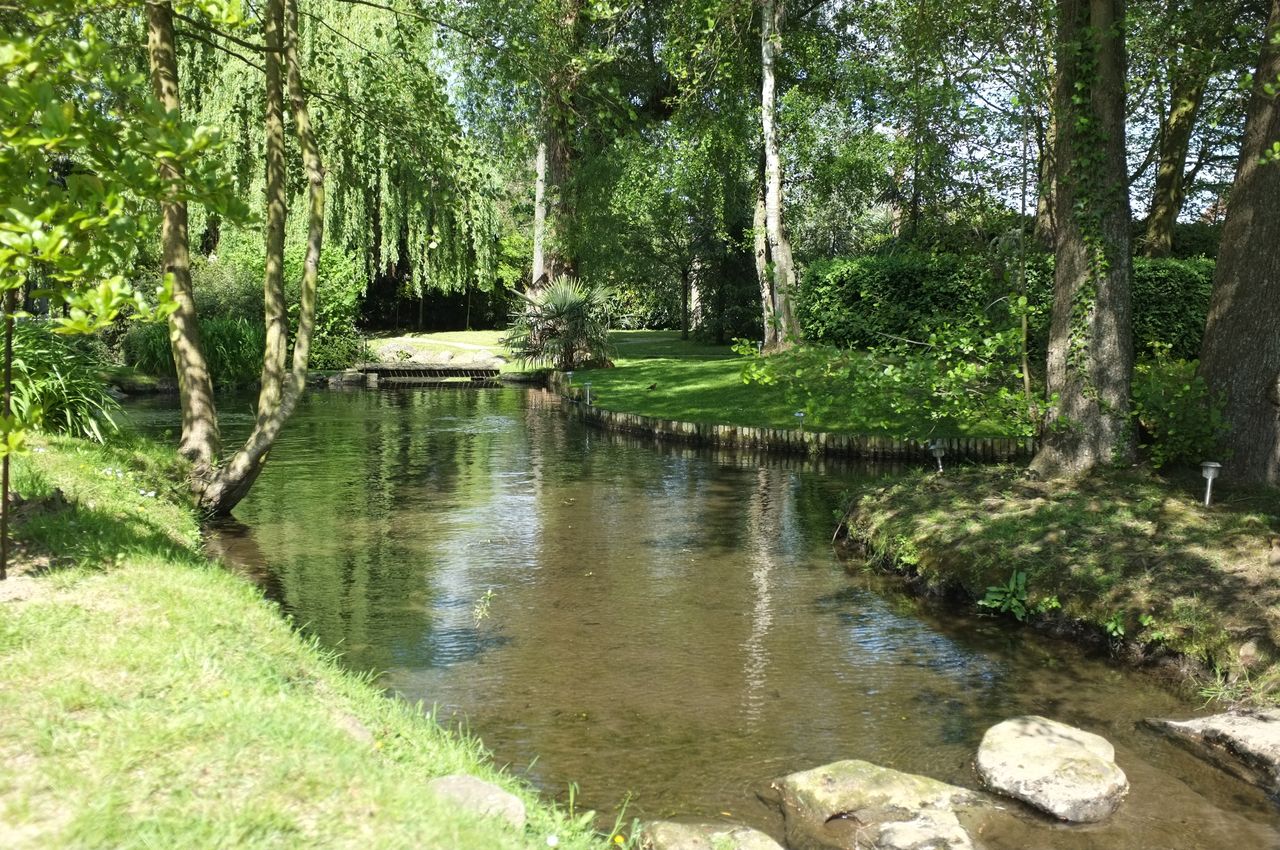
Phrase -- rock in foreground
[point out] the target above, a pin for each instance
(1245, 743)
(668, 835)
(479, 797)
(859, 804)
(1067, 772)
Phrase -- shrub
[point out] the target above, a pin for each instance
(1170, 305)
(57, 384)
(863, 301)
(1178, 421)
(233, 348)
(565, 326)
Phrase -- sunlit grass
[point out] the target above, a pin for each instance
(151, 699)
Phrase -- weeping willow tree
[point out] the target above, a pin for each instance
(409, 196)
(406, 191)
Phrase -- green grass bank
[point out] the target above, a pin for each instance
(1130, 558)
(150, 698)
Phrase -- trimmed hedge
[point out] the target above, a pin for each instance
(856, 302)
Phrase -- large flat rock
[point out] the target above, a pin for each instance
(479, 797)
(1066, 772)
(1244, 743)
(855, 803)
(670, 835)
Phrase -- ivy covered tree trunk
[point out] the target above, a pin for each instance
(200, 440)
(783, 266)
(1090, 363)
(281, 386)
(1240, 357)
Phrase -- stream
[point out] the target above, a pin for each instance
(659, 624)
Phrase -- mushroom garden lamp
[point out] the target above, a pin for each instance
(1209, 469)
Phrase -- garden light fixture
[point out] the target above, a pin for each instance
(586, 393)
(800, 418)
(1209, 469)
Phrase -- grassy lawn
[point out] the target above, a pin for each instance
(1132, 555)
(151, 699)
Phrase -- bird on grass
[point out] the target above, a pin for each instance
(652, 386)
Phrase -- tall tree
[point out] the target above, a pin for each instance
(781, 329)
(200, 441)
(1199, 43)
(220, 487)
(1090, 364)
(1240, 357)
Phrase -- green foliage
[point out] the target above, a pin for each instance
(1008, 598)
(1179, 421)
(959, 379)
(1170, 304)
(565, 326)
(233, 347)
(1114, 625)
(228, 286)
(860, 301)
(56, 385)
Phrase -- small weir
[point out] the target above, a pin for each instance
(426, 375)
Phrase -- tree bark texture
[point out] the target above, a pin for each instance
(1240, 357)
(539, 271)
(761, 247)
(784, 271)
(1189, 71)
(1090, 364)
(281, 389)
(200, 441)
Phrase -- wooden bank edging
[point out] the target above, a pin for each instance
(793, 441)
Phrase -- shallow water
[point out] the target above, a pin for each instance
(665, 623)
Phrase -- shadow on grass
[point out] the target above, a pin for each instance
(1131, 553)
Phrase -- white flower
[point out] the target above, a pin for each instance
(553, 840)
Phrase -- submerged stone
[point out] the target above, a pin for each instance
(1067, 772)
(669, 835)
(1244, 743)
(858, 804)
(479, 797)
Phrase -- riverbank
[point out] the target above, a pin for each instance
(1131, 559)
(151, 698)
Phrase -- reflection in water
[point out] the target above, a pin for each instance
(664, 621)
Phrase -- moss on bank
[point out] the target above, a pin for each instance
(150, 698)
(1133, 557)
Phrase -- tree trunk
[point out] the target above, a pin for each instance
(784, 272)
(280, 391)
(536, 281)
(200, 441)
(1187, 93)
(1240, 357)
(684, 303)
(1090, 363)
(762, 271)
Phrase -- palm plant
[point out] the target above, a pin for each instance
(565, 325)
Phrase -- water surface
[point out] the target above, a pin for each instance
(662, 623)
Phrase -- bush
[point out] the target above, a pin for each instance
(1178, 421)
(233, 348)
(57, 385)
(859, 302)
(229, 286)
